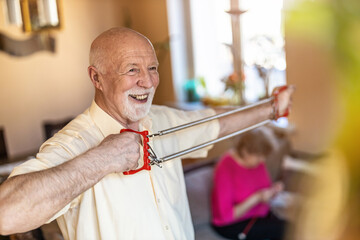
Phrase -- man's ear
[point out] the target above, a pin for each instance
(94, 77)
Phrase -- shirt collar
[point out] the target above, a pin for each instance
(108, 125)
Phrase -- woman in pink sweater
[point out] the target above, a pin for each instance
(242, 190)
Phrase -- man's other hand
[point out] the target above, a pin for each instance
(285, 99)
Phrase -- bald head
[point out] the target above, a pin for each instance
(111, 43)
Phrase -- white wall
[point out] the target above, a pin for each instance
(52, 86)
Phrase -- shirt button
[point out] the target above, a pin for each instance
(158, 200)
(166, 227)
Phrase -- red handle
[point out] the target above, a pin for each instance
(276, 93)
(146, 165)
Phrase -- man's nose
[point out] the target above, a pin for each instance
(145, 80)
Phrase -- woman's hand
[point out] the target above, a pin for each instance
(265, 195)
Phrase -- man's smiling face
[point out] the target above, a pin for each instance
(129, 81)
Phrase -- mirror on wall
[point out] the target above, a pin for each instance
(25, 25)
(39, 15)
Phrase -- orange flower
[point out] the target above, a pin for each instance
(234, 77)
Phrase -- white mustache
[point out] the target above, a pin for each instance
(140, 91)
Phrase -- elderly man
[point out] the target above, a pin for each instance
(77, 177)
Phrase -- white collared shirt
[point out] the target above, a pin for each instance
(147, 205)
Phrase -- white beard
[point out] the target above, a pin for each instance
(136, 111)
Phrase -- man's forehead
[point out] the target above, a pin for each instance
(135, 52)
(134, 56)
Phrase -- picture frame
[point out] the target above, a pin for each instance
(41, 15)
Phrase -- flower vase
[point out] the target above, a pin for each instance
(236, 96)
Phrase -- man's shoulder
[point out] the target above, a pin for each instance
(160, 108)
(76, 137)
(163, 111)
(80, 124)
(81, 131)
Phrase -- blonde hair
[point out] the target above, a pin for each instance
(254, 142)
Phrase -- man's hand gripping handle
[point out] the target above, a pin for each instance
(146, 165)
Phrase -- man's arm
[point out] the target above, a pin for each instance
(27, 201)
(243, 119)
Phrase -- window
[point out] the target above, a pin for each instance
(205, 29)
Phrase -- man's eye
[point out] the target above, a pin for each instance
(153, 68)
(133, 71)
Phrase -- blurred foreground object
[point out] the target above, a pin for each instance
(333, 211)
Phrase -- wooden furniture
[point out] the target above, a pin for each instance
(3, 150)
(52, 127)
